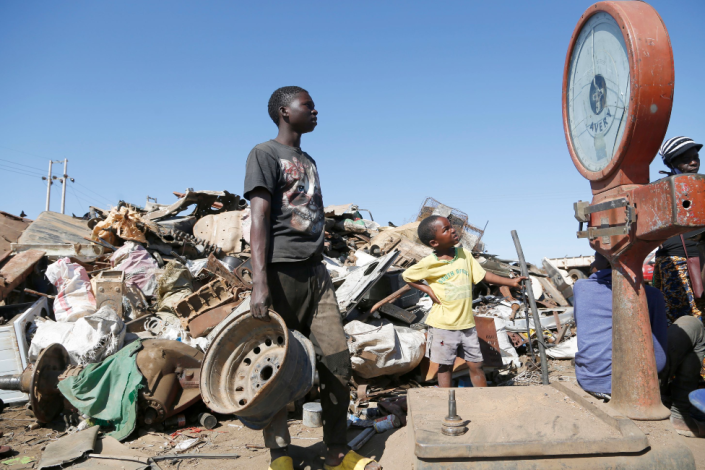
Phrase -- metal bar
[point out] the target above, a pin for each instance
(605, 206)
(534, 310)
(390, 298)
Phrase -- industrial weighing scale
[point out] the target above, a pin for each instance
(617, 96)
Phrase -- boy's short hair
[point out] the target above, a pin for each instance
(282, 97)
(426, 230)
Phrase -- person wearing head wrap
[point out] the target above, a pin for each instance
(680, 155)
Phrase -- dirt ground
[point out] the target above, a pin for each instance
(391, 449)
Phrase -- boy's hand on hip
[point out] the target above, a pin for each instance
(434, 298)
(260, 301)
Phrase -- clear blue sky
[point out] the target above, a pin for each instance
(456, 100)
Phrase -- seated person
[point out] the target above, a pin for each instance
(593, 361)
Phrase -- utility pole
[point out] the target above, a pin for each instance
(63, 188)
(50, 181)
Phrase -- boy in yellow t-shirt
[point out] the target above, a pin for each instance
(450, 273)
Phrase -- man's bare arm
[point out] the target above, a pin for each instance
(260, 207)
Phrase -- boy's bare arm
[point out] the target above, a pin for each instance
(503, 281)
(425, 289)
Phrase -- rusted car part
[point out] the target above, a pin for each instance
(204, 323)
(211, 295)
(59, 236)
(254, 368)
(17, 269)
(109, 287)
(204, 200)
(489, 344)
(40, 381)
(214, 266)
(222, 230)
(11, 227)
(171, 370)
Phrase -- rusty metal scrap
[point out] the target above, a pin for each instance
(16, 270)
(211, 295)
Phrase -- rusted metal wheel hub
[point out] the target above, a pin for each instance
(254, 368)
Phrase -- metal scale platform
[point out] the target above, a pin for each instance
(617, 98)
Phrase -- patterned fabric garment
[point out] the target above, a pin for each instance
(671, 278)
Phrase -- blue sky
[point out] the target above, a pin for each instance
(460, 101)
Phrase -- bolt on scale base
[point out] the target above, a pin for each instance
(453, 425)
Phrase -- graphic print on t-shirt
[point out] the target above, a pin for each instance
(302, 195)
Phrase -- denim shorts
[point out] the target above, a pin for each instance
(446, 345)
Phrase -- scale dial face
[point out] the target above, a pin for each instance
(598, 91)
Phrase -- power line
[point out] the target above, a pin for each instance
(97, 194)
(76, 196)
(19, 172)
(20, 164)
(22, 151)
(88, 196)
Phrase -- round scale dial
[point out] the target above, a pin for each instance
(598, 91)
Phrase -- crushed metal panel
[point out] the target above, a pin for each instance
(343, 209)
(359, 281)
(16, 270)
(59, 235)
(223, 230)
(11, 227)
(69, 448)
(108, 447)
(212, 295)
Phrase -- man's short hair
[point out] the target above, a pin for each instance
(427, 229)
(282, 97)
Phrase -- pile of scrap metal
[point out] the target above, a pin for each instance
(136, 296)
(75, 293)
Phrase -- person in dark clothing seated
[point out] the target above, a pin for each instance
(677, 349)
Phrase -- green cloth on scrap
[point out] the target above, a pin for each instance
(107, 391)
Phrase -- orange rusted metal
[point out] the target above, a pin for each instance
(629, 217)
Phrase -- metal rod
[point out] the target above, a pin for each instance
(534, 310)
(525, 298)
(10, 382)
(362, 438)
(452, 409)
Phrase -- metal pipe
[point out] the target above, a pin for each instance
(534, 310)
(452, 408)
(11, 382)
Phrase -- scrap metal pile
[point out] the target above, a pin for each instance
(134, 296)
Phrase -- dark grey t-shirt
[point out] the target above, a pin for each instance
(291, 177)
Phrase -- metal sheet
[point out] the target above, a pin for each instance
(69, 448)
(359, 281)
(58, 235)
(11, 227)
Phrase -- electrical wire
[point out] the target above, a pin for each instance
(19, 172)
(20, 164)
(97, 194)
(22, 151)
(88, 196)
(82, 202)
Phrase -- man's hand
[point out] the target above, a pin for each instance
(260, 301)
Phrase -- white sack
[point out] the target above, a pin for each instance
(384, 349)
(89, 339)
(75, 298)
(565, 350)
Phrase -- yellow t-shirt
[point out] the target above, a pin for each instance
(452, 283)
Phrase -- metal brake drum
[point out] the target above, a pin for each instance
(254, 368)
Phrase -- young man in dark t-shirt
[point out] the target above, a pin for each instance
(286, 235)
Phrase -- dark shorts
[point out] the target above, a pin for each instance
(446, 345)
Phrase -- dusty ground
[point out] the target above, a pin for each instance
(391, 448)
